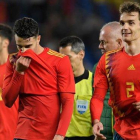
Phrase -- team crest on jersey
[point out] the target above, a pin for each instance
(82, 106)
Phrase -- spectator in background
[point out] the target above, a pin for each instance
(80, 127)
(110, 39)
(8, 116)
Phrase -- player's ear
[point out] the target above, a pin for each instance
(81, 54)
(120, 43)
(5, 43)
(38, 38)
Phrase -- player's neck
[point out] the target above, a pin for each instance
(3, 56)
(79, 71)
(40, 49)
(133, 48)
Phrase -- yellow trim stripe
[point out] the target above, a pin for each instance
(113, 51)
(51, 52)
(112, 121)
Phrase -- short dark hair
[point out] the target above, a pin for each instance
(75, 42)
(26, 27)
(6, 32)
(128, 7)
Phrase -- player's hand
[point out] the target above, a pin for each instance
(137, 105)
(58, 137)
(22, 64)
(96, 131)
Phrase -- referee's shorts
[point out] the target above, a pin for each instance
(79, 138)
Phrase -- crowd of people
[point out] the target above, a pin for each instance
(50, 95)
(60, 18)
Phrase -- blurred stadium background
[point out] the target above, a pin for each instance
(60, 18)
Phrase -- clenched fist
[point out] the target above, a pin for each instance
(22, 64)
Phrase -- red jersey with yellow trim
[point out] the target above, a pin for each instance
(49, 73)
(120, 72)
(46, 70)
(8, 116)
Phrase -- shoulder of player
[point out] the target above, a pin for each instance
(55, 54)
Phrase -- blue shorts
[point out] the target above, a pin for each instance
(117, 136)
(18, 139)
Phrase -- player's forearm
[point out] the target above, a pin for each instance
(96, 104)
(11, 90)
(67, 100)
(96, 107)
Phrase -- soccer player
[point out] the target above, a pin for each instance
(119, 70)
(110, 39)
(43, 80)
(80, 127)
(8, 116)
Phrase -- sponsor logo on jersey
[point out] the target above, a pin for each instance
(131, 67)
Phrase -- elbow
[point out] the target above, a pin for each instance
(7, 102)
(9, 105)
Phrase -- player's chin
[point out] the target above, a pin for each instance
(126, 39)
(103, 51)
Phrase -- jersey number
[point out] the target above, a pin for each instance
(131, 88)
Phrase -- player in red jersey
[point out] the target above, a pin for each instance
(8, 116)
(44, 81)
(119, 70)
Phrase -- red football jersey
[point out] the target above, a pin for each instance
(49, 73)
(8, 116)
(120, 72)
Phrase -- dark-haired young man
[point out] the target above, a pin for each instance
(80, 127)
(8, 116)
(119, 70)
(43, 79)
